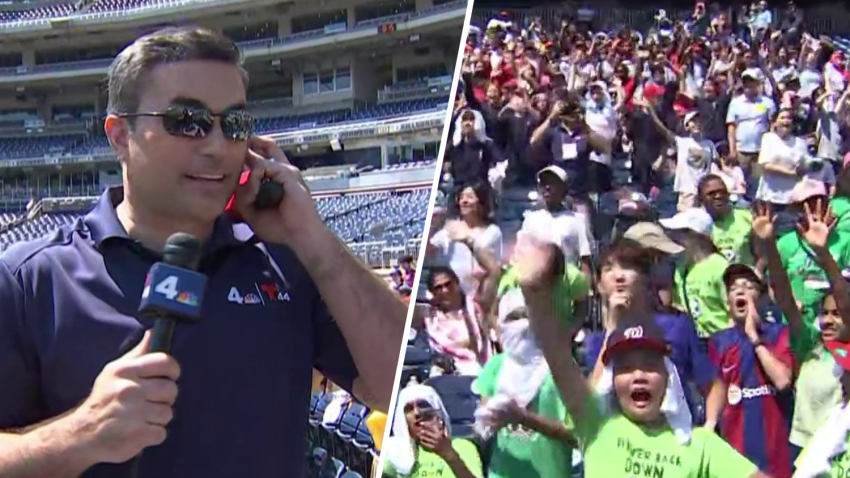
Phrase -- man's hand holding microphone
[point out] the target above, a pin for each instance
(128, 410)
(129, 406)
(131, 402)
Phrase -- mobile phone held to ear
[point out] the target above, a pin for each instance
(269, 196)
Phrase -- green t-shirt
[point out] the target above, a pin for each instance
(841, 210)
(430, 465)
(732, 237)
(518, 451)
(616, 447)
(571, 289)
(839, 464)
(706, 294)
(808, 281)
(818, 392)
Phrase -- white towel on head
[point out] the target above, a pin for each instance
(674, 407)
(523, 370)
(480, 133)
(523, 366)
(830, 440)
(401, 448)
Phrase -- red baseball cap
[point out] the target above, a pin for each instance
(652, 91)
(646, 337)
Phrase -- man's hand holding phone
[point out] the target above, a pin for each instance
(295, 215)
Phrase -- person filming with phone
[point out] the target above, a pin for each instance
(422, 445)
(81, 397)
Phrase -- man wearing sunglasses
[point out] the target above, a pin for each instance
(75, 403)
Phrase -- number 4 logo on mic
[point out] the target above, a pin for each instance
(173, 290)
(168, 288)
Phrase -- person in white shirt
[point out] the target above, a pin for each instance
(782, 158)
(601, 117)
(694, 156)
(833, 75)
(568, 229)
(474, 206)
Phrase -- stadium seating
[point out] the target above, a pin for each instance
(47, 11)
(338, 438)
(38, 146)
(383, 218)
(76, 144)
(387, 215)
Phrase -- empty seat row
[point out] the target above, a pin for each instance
(391, 217)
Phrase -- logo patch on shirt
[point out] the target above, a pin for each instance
(262, 293)
(736, 395)
(733, 395)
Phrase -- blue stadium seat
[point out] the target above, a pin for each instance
(84, 143)
(363, 438)
(319, 411)
(384, 216)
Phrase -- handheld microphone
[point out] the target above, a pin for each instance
(173, 293)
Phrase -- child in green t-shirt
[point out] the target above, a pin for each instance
(633, 436)
(521, 404)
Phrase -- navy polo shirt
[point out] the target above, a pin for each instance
(70, 305)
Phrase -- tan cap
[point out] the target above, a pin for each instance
(556, 170)
(651, 235)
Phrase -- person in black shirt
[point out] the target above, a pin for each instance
(565, 140)
(518, 120)
(471, 153)
(712, 108)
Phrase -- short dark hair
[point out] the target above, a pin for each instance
(483, 191)
(440, 270)
(704, 182)
(627, 253)
(130, 69)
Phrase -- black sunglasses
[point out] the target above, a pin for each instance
(197, 122)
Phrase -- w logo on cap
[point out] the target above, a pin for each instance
(633, 333)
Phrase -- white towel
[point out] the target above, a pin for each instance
(333, 412)
(401, 448)
(485, 415)
(674, 407)
(524, 369)
(829, 441)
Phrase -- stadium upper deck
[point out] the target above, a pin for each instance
(390, 72)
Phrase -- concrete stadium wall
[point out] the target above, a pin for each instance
(375, 180)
